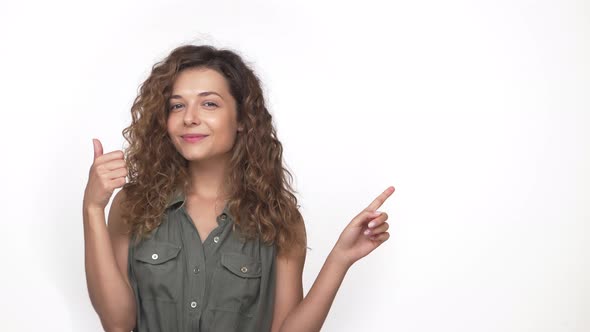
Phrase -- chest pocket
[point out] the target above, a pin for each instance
(158, 270)
(236, 283)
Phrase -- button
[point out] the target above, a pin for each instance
(244, 269)
(223, 216)
(155, 256)
(216, 239)
(193, 304)
(196, 270)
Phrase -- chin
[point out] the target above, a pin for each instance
(198, 157)
(195, 157)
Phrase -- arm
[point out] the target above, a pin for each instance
(106, 268)
(292, 313)
(310, 313)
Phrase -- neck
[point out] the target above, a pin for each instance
(207, 179)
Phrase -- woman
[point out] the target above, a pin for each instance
(206, 234)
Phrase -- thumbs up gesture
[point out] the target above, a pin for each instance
(108, 172)
(364, 233)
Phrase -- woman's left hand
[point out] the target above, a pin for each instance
(355, 242)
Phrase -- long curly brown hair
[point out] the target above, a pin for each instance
(261, 197)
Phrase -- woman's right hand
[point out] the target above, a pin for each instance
(108, 172)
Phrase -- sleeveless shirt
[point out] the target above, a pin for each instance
(182, 284)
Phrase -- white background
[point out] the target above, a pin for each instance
(477, 112)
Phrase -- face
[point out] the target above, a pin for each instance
(201, 104)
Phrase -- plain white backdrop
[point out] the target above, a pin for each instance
(476, 111)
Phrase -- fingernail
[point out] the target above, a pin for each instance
(371, 224)
(367, 232)
(376, 213)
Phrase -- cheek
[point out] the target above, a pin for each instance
(171, 136)
(169, 129)
(225, 129)
(228, 137)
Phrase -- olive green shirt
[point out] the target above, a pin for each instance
(182, 284)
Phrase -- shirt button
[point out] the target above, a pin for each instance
(193, 304)
(196, 270)
(216, 239)
(155, 256)
(244, 269)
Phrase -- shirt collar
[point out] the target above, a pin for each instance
(178, 197)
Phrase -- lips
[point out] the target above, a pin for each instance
(193, 138)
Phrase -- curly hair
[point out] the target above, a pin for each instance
(261, 197)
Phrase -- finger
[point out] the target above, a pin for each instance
(117, 182)
(117, 173)
(380, 238)
(113, 155)
(380, 199)
(377, 230)
(97, 148)
(378, 221)
(363, 217)
(114, 164)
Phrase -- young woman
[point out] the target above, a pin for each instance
(206, 234)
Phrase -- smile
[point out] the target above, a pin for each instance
(193, 139)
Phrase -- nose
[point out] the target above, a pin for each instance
(191, 115)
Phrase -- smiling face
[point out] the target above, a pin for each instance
(201, 104)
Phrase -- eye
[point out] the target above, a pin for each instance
(173, 107)
(212, 103)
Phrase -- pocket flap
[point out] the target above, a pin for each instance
(157, 252)
(242, 265)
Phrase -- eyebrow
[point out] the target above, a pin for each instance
(201, 94)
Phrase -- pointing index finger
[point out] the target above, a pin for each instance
(380, 199)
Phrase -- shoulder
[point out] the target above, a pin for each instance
(289, 276)
(120, 196)
(116, 224)
(297, 247)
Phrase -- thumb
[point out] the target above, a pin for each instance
(97, 148)
(364, 217)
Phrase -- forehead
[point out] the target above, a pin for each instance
(200, 79)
